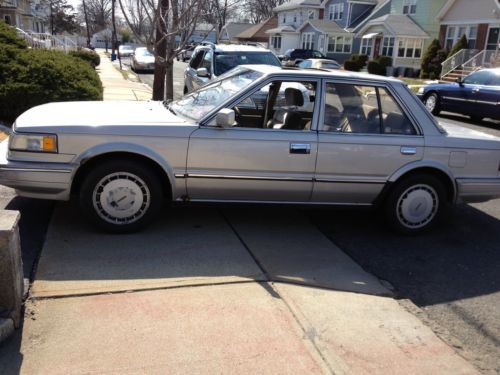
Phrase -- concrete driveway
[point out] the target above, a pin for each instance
(243, 289)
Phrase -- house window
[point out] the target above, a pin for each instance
(8, 20)
(409, 6)
(366, 46)
(388, 46)
(276, 42)
(284, 18)
(336, 11)
(339, 44)
(308, 40)
(310, 14)
(454, 33)
(295, 17)
(410, 48)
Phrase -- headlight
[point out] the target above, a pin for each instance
(421, 90)
(33, 142)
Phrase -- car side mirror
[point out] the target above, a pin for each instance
(460, 81)
(202, 72)
(225, 118)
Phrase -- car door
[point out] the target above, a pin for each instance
(454, 97)
(364, 137)
(483, 94)
(190, 76)
(270, 163)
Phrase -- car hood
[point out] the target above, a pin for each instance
(84, 116)
(145, 59)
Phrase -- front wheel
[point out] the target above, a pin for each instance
(432, 103)
(121, 196)
(416, 204)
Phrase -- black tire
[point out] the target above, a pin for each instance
(116, 177)
(433, 103)
(416, 204)
(185, 90)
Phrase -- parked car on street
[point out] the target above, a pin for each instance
(142, 60)
(209, 61)
(185, 54)
(293, 57)
(319, 64)
(125, 50)
(477, 95)
(362, 140)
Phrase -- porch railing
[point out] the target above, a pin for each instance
(458, 59)
(47, 41)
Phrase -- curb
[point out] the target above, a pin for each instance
(6, 329)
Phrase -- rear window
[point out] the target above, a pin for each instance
(225, 61)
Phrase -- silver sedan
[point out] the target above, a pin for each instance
(257, 134)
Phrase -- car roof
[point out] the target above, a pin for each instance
(495, 71)
(233, 48)
(271, 69)
(323, 60)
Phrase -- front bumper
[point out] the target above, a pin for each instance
(36, 179)
(478, 189)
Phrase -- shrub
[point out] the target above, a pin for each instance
(87, 55)
(360, 59)
(351, 65)
(376, 68)
(9, 37)
(431, 66)
(35, 77)
(384, 61)
(461, 44)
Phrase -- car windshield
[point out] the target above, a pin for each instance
(126, 48)
(330, 65)
(197, 104)
(143, 52)
(225, 61)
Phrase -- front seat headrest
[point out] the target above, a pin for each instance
(294, 97)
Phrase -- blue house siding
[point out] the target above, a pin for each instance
(342, 22)
(310, 29)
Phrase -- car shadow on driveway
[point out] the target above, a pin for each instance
(457, 260)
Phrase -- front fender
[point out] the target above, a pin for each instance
(131, 148)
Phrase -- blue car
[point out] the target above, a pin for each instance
(477, 95)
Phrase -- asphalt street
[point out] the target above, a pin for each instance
(450, 273)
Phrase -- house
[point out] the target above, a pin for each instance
(479, 22)
(17, 13)
(403, 33)
(257, 33)
(291, 16)
(231, 30)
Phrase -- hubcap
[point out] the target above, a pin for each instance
(121, 198)
(417, 206)
(430, 103)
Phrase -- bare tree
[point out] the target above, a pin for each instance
(260, 10)
(97, 14)
(166, 20)
(217, 12)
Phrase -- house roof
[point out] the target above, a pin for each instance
(396, 24)
(234, 28)
(259, 31)
(282, 29)
(325, 26)
(382, 7)
(294, 4)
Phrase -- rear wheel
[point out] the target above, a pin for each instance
(416, 204)
(432, 103)
(120, 196)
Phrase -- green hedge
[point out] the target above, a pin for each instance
(30, 77)
(351, 65)
(360, 59)
(375, 67)
(87, 55)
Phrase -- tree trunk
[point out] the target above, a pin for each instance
(86, 23)
(169, 70)
(160, 51)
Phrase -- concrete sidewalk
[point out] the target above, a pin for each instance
(116, 87)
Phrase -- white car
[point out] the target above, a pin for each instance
(143, 60)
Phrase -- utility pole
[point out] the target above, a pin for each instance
(51, 18)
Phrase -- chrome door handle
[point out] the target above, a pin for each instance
(475, 90)
(300, 148)
(406, 150)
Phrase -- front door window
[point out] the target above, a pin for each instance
(493, 38)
